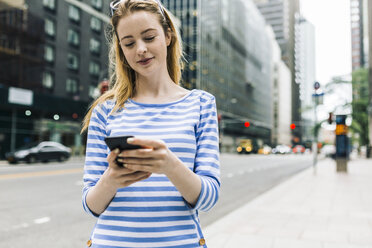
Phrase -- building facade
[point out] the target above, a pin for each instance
(57, 69)
(281, 81)
(306, 60)
(283, 16)
(359, 33)
(228, 54)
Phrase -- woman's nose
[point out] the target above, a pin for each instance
(141, 48)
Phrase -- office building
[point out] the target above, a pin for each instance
(281, 81)
(359, 33)
(228, 53)
(306, 60)
(283, 16)
(58, 55)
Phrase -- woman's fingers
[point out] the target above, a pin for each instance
(147, 143)
(135, 177)
(112, 157)
(139, 153)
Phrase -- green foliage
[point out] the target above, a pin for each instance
(360, 104)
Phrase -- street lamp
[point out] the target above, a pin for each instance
(317, 96)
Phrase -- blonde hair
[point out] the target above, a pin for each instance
(123, 78)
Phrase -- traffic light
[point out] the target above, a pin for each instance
(293, 126)
(330, 118)
(247, 124)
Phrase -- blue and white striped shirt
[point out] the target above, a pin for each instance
(152, 213)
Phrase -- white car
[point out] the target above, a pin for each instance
(281, 149)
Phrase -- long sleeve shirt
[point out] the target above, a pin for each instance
(152, 212)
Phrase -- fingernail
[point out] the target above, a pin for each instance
(120, 160)
(130, 140)
(116, 151)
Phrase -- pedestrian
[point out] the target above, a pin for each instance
(154, 198)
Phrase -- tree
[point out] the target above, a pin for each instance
(360, 104)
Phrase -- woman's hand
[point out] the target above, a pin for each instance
(118, 177)
(155, 157)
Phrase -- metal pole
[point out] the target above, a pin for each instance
(315, 146)
(13, 130)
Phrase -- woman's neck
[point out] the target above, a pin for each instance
(161, 89)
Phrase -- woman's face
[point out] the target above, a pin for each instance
(143, 42)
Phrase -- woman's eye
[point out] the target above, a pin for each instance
(149, 38)
(129, 44)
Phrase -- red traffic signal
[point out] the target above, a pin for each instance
(247, 124)
(293, 126)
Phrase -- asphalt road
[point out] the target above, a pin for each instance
(40, 204)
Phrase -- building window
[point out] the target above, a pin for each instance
(73, 37)
(50, 4)
(74, 13)
(95, 46)
(95, 24)
(49, 53)
(48, 80)
(94, 68)
(96, 4)
(49, 27)
(72, 61)
(71, 86)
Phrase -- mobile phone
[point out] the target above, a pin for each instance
(120, 142)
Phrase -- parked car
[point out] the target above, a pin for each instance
(44, 151)
(281, 149)
(265, 149)
(298, 149)
(245, 146)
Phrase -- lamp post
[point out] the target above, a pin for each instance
(317, 100)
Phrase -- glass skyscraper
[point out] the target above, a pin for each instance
(228, 54)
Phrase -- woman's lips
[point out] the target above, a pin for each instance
(145, 61)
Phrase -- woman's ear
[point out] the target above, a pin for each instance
(168, 37)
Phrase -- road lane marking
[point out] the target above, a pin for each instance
(26, 225)
(23, 225)
(42, 220)
(41, 173)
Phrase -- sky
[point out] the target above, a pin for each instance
(331, 19)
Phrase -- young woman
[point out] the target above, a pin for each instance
(154, 199)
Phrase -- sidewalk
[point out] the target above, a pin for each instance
(326, 210)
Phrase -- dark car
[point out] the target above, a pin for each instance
(45, 152)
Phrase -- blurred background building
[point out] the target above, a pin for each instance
(281, 83)
(52, 56)
(229, 54)
(306, 61)
(283, 16)
(255, 56)
(359, 33)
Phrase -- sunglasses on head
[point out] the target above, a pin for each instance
(115, 4)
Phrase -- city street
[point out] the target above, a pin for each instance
(41, 204)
